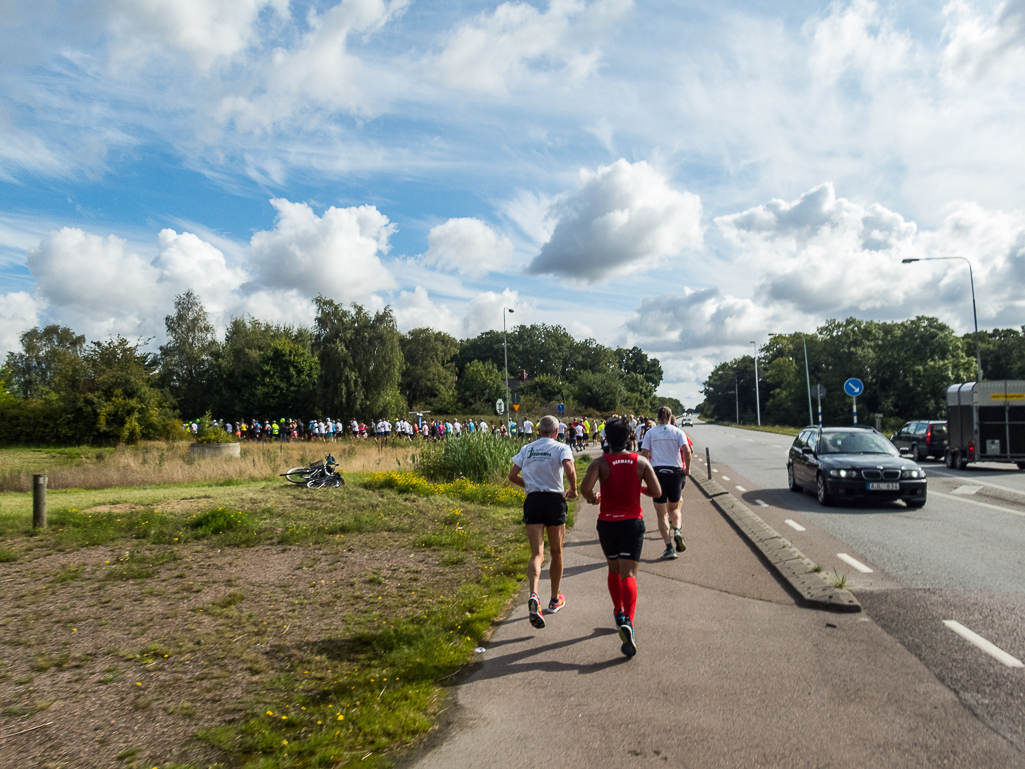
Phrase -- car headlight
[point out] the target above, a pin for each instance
(844, 473)
(906, 474)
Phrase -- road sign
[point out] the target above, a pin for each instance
(500, 406)
(561, 408)
(516, 407)
(818, 391)
(853, 387)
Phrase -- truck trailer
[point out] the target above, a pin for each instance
(986, 423)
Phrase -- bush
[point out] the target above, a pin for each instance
(211, 432)
(479, 457)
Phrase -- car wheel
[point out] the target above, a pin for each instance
(1021, 465)
(913, 451)
(914, 504)
(822, 491)
(792, 483)
(948, 459)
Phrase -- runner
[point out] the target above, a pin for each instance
(620, 521)
(668, 449)
(542, 464)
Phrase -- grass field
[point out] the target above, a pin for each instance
(243, 622)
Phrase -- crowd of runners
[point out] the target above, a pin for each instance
(614, 481)
(577, 433)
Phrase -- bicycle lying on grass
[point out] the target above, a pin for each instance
(319, 475)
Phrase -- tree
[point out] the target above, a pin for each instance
(487, 346)
(429, 375)
(185, 359)
(600, 391)
(1002, 351)
(48, 356)
(636, 361)
(480, 385)
(360, 361)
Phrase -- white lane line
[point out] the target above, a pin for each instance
(966, 501)
(990, 648)
(760, 503)
(975, 480)
(715, 470)
(794, 525)
(854, 562)
(726, 477)
(741, 488)
(966, 490)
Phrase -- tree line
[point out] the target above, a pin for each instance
(350, 364)
(905, 366)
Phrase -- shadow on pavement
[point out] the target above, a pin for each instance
(524, 662)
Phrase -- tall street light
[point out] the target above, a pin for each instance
(975, 315)
(758, 403)
(505, 336)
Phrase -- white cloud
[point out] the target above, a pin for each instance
(19, 312)
(518, 43)
(98, 279)
(336, 254)
(414, 309)
(529, 211)
(858, 37)
(625, 218)
(485, 312)
(206, 30)
(468, 246)
(187, 262)
(979, 47)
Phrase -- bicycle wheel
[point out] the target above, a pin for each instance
(298, 475)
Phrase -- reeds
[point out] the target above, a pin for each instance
(160, 462)
(482, 458)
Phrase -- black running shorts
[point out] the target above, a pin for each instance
(622, 539)
(545, 507)
(671, 480)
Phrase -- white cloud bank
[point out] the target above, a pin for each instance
(467, 246)
(625, 218)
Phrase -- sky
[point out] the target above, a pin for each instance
(687, 177)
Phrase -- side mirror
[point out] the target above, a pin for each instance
(893, 436)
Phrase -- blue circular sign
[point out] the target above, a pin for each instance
(853, 387)
(561, 408)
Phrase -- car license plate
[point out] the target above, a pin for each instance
(884, 487)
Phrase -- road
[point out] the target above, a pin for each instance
(959, 559)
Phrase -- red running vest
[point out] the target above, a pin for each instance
(621, 493)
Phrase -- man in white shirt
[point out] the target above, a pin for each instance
(484, 426)
(539, 468)
(668, 449)
(528, 429)
(457, 426)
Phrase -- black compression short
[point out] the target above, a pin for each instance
(671, 479)
(622, 539)
(545, 507)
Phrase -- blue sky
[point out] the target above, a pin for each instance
(687, 177)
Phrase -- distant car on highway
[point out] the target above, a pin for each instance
(922, 438)
(688, 422)
(853, 462)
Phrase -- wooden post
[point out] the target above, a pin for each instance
(708, 463)
(38, 501)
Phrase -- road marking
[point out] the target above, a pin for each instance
(715, 470)
(966, 490)
(740, 488)
(794, 525)
(976, 480)
(725, 477)
(990, 648)
(854, 562)
(760, 503)
(963, 500)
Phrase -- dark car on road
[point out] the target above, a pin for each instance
(853, 463)
(922, 438)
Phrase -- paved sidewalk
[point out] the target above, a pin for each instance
(730, 672)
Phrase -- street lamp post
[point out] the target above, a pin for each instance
(736, 394)
(758, 402)
(975, 315)
(505, 337)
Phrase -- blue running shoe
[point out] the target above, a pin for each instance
(626, 633)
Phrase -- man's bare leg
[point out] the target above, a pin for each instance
(556, 536)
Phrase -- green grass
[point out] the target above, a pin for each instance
(778, 429)
(357, 694)
(483, 458)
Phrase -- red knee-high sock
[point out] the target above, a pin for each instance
(628, 589)
(615, 592)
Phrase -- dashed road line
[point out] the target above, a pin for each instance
(854, 562)
(726, 477)
(966, 490)
(966, 501)
(976, 481)
(987, 646)
(794, 525)
(740, 489)
(761, 503)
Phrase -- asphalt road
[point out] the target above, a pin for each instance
(960, 559)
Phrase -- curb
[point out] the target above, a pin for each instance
(790, 563)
